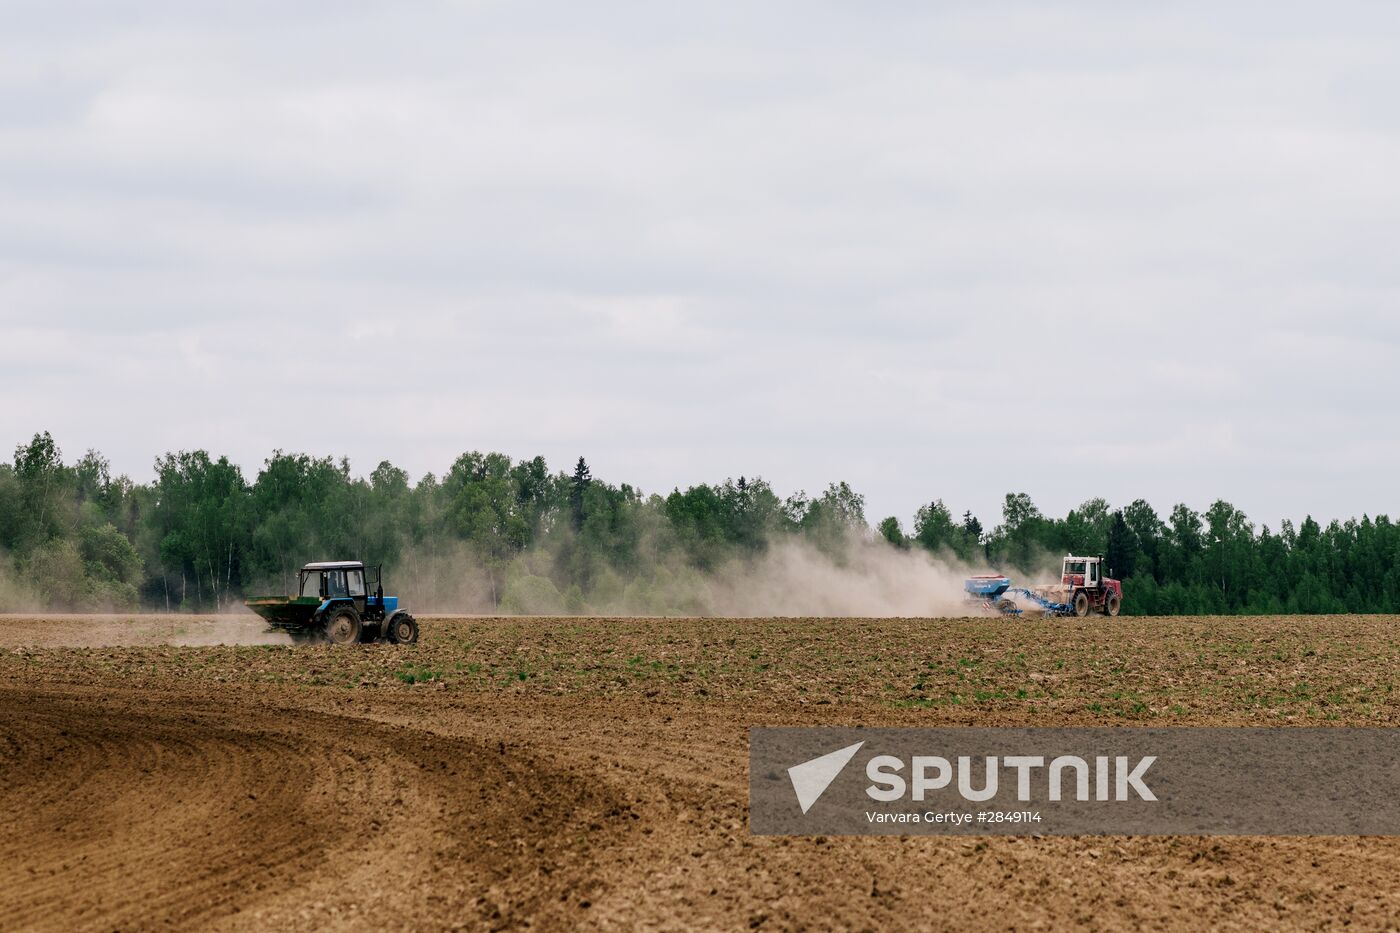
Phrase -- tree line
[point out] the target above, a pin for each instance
(200, 535)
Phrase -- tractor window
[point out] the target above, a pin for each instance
(335, 584)
(311, 585)
(1093, 573)
(1074, 566)
(357, 582)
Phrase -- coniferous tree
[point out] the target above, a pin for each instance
(578, 490)
(1122, 547)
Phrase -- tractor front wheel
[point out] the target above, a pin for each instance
(403, 629)
(343, 626)
(1112, 604)
(1081, 604)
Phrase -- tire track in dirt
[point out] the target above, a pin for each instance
(146, 809)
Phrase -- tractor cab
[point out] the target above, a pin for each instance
(340, 580)
(1082, 572)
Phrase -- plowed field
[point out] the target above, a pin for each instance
(548, 772)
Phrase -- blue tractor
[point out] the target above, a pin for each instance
(339, 602)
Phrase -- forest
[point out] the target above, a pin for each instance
(494, 534)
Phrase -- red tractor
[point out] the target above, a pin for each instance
(1084, 587)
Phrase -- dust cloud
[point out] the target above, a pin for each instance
(856, 576)
(132, 631)
(866, 579)
(863, 578)
(228, 630)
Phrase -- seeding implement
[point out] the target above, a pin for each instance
(1082, 588)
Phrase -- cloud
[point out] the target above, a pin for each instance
(800, 240)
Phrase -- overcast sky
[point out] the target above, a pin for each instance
(1130, 250)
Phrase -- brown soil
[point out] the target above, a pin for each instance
(506, 773)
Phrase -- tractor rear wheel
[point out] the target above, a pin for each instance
(403, 629)
(343, 626)
(1081, 604)
(1112, 604)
